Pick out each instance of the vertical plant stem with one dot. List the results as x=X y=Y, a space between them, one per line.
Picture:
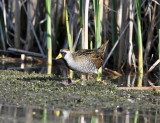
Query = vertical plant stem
x=120 y=17
x=136 y=116
x=140 y=80
x=140 y=55
x=93 y=119
x=34 y=33
x=64 y=13
x=44 y=116
x=85 y=7
x=130 y=32
x=159 y=47
x=150 y=34
x=130 y=52
x=49 y=43
x=81 y=20
x=114 y=34
x=2 y=38
x=31 y=5
x=55 y=28
x=114 y=22
x=68 y=30
x=80 y=13
x=17 y=24
x=5 y=22
x=70 y=43
x=98 y=12
x=105 y=61
x=159 y=35
x=76 y=40
x=97 y=21
x=159 y=44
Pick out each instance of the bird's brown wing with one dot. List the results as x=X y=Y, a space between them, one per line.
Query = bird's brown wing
x=92 y=55
x=85 y=52
x=97 y=58
x=81 y=55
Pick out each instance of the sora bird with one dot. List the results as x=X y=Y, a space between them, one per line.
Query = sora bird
x=85 y=60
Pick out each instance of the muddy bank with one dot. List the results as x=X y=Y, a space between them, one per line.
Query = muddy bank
x=23 y=89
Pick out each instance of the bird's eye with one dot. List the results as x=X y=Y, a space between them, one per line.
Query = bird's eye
x=63 y=54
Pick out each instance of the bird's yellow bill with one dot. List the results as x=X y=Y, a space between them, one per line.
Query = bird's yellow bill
x=59 y=56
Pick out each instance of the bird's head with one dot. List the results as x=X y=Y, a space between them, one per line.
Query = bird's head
x=64 y=53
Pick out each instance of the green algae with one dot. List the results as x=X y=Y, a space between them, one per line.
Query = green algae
x=24 y=89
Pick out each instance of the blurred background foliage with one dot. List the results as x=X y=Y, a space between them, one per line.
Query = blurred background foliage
x=23 y=25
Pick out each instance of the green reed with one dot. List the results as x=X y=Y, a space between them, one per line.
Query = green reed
x=136 y=116
x=49 y=43
x=68 y=35
x=68 y=29
x=140 y=55
x=97 y=22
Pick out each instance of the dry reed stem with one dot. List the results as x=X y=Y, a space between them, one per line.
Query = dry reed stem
x=140 y=88
x=115 y=45
x=150 y=34
x=153 y=66
x=35 y=35
x=113 y=72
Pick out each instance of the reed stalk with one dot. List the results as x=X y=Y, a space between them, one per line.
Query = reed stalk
x=44 y=118
x=136 y=116
x=114 y=33
x=130 y=52
x=70 y=43
x=17 y=24
x=116 y=43
x=80 y=13
x=49 y=43
x=3 y=25
x=29 y=39
x=68 y=29
x=150 y=34
x=120 y=17
x=159 y=44
x=2 y=37
x=85 y=7
x=94 y=119
x=34 y=33
x=57 y=16
x=159 y=36
x=81 y=20
x=98 y=12
x=140 y=80
x=140 y=55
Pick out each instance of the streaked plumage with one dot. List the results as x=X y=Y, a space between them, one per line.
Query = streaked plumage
x=85 y=61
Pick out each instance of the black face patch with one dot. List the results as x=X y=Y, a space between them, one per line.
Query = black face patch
x=63 y=54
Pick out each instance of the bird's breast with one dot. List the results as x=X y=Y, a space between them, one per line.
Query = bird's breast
x=85 y=66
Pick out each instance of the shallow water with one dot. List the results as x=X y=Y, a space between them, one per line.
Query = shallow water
x=11 y=114
x=111 y=113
